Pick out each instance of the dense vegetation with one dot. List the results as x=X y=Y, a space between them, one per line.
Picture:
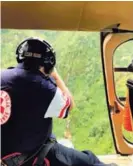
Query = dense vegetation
x=79 y=63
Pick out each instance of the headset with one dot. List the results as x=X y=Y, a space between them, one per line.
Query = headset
x=37 y=50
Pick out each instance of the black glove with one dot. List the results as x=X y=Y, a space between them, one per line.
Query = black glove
x=130 y=67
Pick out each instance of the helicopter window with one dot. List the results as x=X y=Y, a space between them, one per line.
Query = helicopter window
x=123 y=57
x=122 y=61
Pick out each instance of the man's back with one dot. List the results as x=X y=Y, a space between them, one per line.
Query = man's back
x=31 y=93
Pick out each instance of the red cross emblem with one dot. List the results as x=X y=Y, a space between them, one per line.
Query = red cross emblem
x=5 y=107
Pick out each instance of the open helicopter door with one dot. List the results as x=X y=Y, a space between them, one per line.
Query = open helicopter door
x=110 y=41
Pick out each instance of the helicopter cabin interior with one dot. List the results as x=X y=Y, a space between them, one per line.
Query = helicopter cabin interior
x=114 y=21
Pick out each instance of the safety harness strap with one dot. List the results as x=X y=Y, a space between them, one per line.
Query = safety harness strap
x=43 y=153
x=20 y=159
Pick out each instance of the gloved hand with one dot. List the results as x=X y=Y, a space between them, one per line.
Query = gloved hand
x=130 y=67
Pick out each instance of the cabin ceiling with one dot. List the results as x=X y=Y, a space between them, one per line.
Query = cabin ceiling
x=66 y=15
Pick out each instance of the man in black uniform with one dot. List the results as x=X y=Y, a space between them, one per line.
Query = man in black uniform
x=31 y=95
x=130 y=87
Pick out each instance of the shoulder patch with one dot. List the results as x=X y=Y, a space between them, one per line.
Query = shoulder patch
x=58 y=106
x=5 y=107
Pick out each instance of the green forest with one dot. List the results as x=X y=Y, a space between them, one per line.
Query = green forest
x=79 y=64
